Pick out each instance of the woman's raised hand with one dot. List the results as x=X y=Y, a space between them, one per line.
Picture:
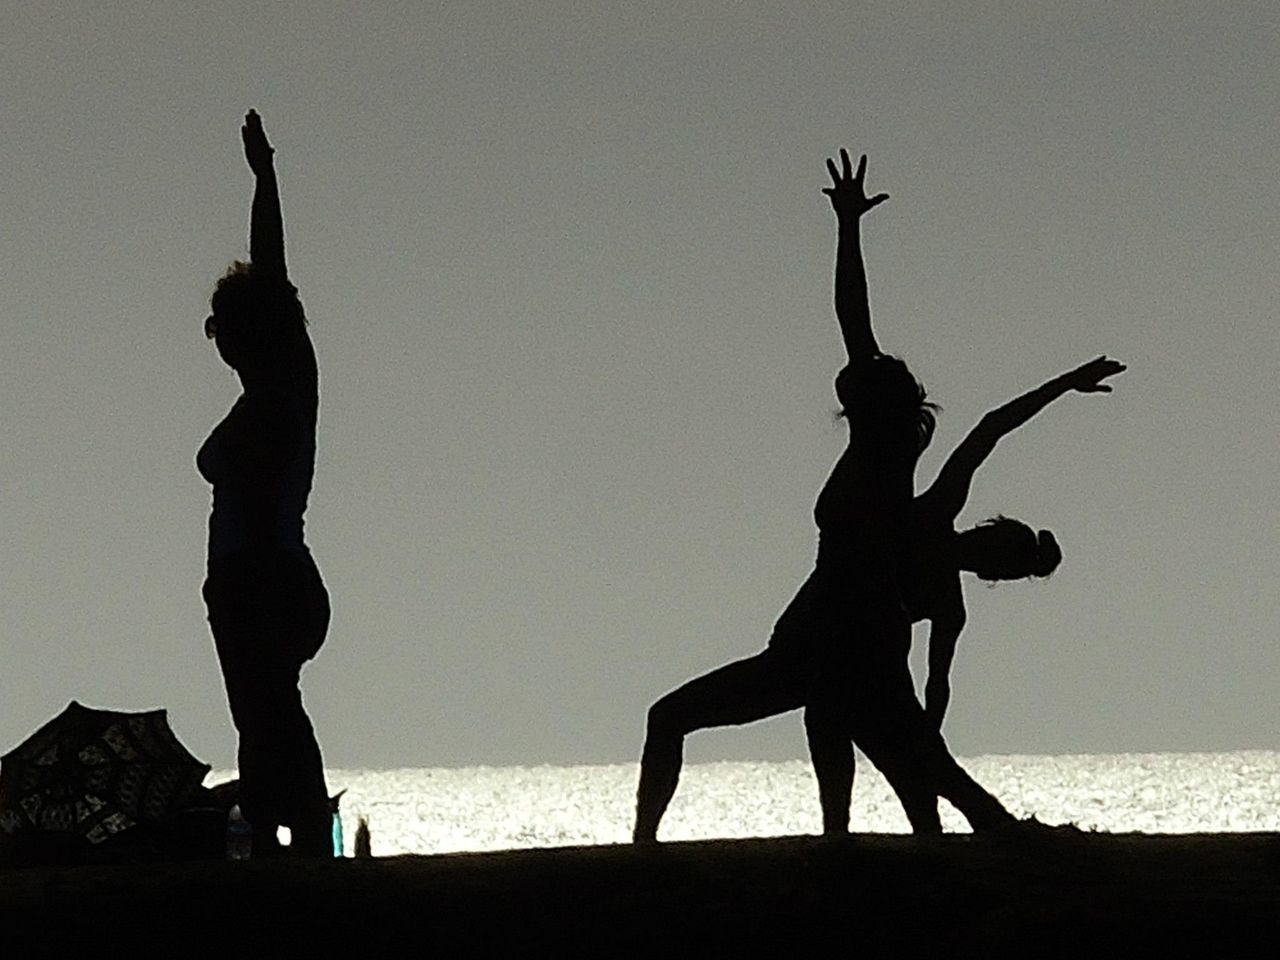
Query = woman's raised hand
x=1088 y=377
x=256 y=148
x=847 y=193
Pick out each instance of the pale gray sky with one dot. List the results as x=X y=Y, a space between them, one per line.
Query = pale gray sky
x=569 y=275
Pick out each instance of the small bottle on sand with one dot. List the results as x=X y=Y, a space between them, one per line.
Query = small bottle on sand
x=363 y=844
x=239 y=835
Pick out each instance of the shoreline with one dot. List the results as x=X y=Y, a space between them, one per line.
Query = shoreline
x=1059 y=893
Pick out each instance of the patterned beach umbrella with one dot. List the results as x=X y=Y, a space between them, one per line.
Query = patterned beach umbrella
x=94 y=773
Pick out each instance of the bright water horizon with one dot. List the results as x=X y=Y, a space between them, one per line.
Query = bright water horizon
x=444 y=810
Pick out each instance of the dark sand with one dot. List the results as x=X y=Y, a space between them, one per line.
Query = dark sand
x=1080 y=895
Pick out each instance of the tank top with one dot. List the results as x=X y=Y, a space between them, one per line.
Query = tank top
x=260 y=461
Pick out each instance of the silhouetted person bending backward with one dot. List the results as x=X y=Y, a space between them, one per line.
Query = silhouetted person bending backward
x=850 y=600
x=268 y=607
x=930 y=587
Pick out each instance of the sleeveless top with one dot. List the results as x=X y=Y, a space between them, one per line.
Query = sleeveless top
x=260 y=461
x=862 y=514
x=925 y=586
x=862 y=510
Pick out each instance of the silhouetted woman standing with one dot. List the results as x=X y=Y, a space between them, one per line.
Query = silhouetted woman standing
x=268 y=607
x=848 y=620
x=929 y=586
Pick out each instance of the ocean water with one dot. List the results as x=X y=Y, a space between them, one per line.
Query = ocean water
x=426 y=810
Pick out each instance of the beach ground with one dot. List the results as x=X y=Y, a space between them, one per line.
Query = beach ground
x=1053 y=894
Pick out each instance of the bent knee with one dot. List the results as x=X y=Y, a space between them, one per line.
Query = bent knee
x=667 y=718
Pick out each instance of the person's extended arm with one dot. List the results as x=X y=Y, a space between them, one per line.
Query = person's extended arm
x=850 y=202
x=266 y=223
x=950 y=491
x=943 y=634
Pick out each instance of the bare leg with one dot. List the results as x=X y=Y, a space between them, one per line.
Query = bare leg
x=741 y=692
x=980 y=808
x=890 y=727
x=886 y=720
x=914 y=789
x=831 y=753
x=832 y=757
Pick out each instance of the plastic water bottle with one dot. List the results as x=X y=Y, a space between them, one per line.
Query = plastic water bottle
x=337 y=833
x=239 y=835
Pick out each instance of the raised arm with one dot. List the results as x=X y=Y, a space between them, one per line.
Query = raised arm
x=950 y=490
x=266 y=223
x=850 y=202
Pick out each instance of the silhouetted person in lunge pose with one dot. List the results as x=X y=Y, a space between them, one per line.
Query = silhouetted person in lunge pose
x=268 y=607
x=850 y=604
x=929 y=584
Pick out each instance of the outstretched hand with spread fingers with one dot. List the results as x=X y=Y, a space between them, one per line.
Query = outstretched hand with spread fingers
x=1088 y=377
x=847 y=193
x=257 y=150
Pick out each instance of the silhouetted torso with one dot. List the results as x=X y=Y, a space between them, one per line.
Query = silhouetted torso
x=863 y=502
x=860 y=514
x=929 y=585
x=260 y=461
